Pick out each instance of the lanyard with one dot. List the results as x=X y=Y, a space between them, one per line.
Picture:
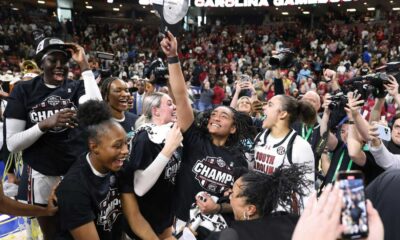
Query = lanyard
x=303 y=133
x=339 y=164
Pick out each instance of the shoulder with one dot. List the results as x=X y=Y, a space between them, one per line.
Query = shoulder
x=131 y=116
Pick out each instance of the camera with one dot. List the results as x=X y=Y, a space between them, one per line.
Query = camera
x=283 y=59
x=374 y=83
x=339 y=101
x=159 y=70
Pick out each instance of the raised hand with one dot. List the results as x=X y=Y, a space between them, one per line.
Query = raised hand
x=169 y=45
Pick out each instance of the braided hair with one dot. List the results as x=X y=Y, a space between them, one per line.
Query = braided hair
x=266 y=192
x=105 y=87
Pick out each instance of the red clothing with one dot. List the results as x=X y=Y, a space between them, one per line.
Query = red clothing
x=219 y=95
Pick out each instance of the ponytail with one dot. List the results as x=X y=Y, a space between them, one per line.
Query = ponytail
x=298 y=110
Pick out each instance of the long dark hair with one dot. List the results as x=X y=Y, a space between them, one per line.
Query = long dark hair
x=298 y=110
x=266 y=192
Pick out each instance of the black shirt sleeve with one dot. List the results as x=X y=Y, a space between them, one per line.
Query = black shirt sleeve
x=15 y=105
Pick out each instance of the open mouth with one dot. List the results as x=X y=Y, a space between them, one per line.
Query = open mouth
x=215 y=125
x=58 y=74
x=119 y=162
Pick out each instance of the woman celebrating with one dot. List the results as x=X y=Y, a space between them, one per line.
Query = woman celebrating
x=254 y=197
x=154 y=163
x=40 y=122
x=279 y=144
x=210 y=153
x=116 y=93
x=88 y=197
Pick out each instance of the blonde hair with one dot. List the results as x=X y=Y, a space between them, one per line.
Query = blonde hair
x=150 y=101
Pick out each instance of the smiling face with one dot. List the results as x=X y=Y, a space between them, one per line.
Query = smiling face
x=118 y=96
x=54 y=68
x=166 y=112
x=244 y=105
x=111 y=149
x=221 y=122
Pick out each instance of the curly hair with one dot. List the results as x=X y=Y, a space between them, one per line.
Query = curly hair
x=266 y=192
x=94 y=116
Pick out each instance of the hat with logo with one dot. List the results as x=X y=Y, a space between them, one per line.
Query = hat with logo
x=50 y=45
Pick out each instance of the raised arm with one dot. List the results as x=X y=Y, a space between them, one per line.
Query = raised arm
x=145 y=179
x=332 y=139
x=177 y=82
x=383 y=157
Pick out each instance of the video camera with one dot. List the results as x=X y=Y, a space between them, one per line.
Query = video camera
x=339 y=101
x=374 y=83
x=283 y=59
x=159 y=70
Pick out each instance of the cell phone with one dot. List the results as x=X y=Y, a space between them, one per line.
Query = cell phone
x=354 y=210
x=384 y=132
x=245 y=78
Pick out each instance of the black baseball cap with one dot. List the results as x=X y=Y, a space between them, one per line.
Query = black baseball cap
x=49 y=45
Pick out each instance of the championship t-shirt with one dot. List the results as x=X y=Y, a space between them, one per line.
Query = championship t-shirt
x=205 y=167
x=156 y=205
x=84 y=197
x=32 y=101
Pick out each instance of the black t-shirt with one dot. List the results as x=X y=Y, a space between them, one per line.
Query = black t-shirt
x=371 y=170
x=392 y=147
x=271 y=227
x=84 y=197
x=129 y=122
x=32 y=101
x=156 y=205
x=311 y=135
x=385 y=196
x=204 y=167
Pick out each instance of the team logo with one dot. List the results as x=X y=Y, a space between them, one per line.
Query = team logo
x=281 y=150
x=110 y=209
x=48 y=107
x=172 y=168
x=213 y=174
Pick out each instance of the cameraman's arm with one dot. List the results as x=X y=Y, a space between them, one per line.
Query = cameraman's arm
x=393 y=89
x=278 y=83
x=375 y=114
x=236 y=95
x=332 y=140
x=383 y=157
x=354 y=146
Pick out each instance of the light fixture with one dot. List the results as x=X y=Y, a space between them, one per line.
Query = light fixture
x=396 y=9
x=86 y=3
x=391 y=1
x=115 y=9
x=276 y=8
x=14 y=9
x=153 y=11
x=338 y=5
x=41 y=2
x=144 y=6
x=351 y=10
x=285 y=13
x=110 y=1
x=120 y=5
x=365 y=3
x=89 y=7
x=371 y=9
x=298 y=7
x=306 y=12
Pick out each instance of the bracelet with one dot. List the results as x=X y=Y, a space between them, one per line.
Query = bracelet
x=172 y=60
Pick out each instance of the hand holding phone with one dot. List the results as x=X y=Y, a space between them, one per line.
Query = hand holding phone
x=354 y=211
x=384 y=132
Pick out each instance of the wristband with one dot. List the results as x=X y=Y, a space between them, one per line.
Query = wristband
x=350 y=122
x=172 y=60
